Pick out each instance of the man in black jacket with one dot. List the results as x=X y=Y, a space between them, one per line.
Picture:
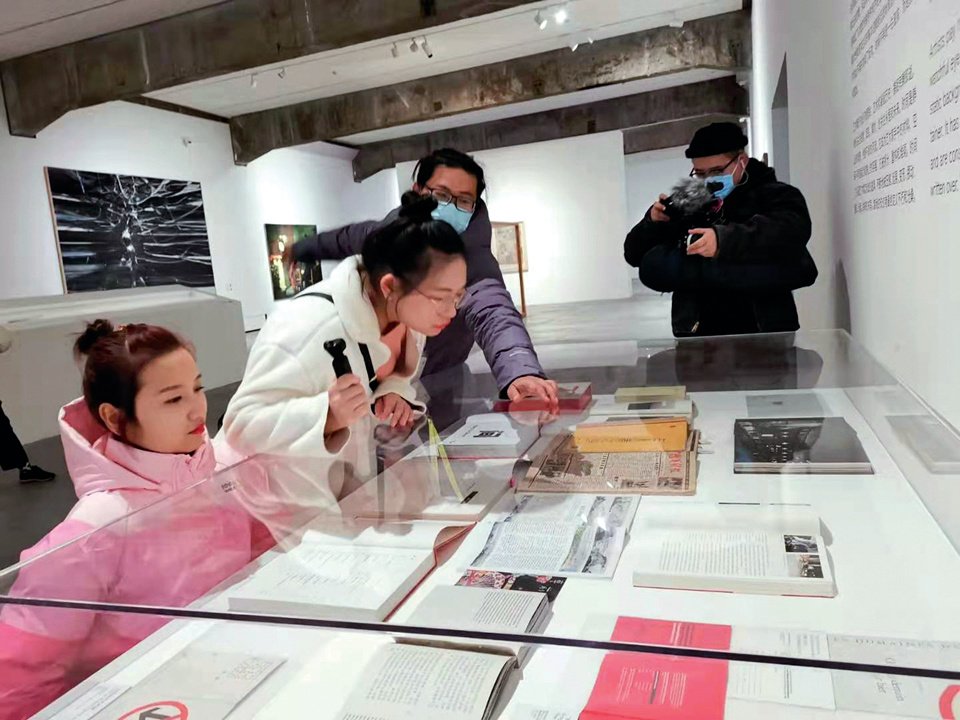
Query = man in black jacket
x=737 y=275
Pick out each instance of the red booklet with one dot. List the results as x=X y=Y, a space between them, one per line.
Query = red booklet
x=572 y=397
x=642 y=686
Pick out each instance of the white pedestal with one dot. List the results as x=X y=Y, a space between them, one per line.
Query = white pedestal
x=38 y=374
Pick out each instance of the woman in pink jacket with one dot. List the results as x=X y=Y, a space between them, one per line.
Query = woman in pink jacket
x=135 y=437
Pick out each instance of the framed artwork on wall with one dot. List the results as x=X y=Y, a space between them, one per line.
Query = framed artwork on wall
x=509 y=247
x=124 y=231
x=289 y=278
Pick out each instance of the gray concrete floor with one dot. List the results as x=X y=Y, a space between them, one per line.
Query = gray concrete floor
x=28 y=512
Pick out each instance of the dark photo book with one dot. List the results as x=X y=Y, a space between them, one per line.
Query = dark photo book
x=818 y=445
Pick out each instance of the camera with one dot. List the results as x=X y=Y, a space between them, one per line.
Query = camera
x=691 y=204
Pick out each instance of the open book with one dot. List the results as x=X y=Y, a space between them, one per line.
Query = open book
x=559 y=466
x=764 y=549
x=349 y=572
x=406 y=681
x=483 y=609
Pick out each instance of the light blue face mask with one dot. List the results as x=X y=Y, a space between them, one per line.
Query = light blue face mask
x=458 y=219
x=721 y=185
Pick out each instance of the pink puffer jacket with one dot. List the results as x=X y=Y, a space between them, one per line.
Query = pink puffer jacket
x=168 y=555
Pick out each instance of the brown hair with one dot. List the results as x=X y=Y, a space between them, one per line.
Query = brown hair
x=115 y=356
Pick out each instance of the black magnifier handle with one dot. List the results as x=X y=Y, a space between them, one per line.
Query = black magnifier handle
x=337 y=348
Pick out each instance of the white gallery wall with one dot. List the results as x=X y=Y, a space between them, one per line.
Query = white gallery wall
x=287 y=186
x=874 y=106
x=647 y=175
x=570 y=195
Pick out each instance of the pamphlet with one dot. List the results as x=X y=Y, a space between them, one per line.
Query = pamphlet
x=546 y=584
x=579 y=535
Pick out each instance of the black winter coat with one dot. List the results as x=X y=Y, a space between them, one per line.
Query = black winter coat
x=762 y=232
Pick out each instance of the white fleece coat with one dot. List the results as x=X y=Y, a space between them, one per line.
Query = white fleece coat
x=281 y=405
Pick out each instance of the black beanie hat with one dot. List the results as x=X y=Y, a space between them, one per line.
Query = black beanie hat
x=716 y=139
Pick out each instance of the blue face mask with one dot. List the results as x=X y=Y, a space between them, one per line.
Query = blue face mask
x=452 y=215
x=721 y=185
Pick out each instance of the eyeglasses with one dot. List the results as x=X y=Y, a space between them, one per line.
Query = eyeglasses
x=712 y=172
x=445 y=197
x=454 y=302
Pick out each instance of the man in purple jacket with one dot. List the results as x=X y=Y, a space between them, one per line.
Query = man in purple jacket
x=487 y=314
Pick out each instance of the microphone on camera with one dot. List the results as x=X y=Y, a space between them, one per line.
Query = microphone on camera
x=692 y=203
x=690 y=197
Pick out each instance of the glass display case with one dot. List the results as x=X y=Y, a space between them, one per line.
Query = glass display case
x=795 y=557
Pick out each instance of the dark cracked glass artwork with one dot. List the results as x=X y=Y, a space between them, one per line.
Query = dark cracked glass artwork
x=120 y=231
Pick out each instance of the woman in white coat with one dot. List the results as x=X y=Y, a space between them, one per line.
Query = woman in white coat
x=376 y=308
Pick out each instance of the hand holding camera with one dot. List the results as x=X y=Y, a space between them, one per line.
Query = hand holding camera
x=694 y=208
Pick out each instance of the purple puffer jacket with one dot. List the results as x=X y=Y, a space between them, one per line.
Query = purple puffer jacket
x=487 y=315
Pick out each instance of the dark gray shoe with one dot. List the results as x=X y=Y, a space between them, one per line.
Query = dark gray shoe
x=34 y=473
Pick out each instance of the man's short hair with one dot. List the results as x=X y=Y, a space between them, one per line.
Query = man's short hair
x=717 y=139
x=448 y=157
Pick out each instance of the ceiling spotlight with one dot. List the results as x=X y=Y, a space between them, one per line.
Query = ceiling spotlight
x=540 y=20
x=676 y=23
x=413 y=45
x=561 y=16
x=395 y=51
x=282 y=74
x=574 y=45
x=425 y=46
x=253 y=80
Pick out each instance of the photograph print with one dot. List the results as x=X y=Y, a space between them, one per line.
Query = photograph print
x=804 y=565
x=800 y=543
x=123 y=231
